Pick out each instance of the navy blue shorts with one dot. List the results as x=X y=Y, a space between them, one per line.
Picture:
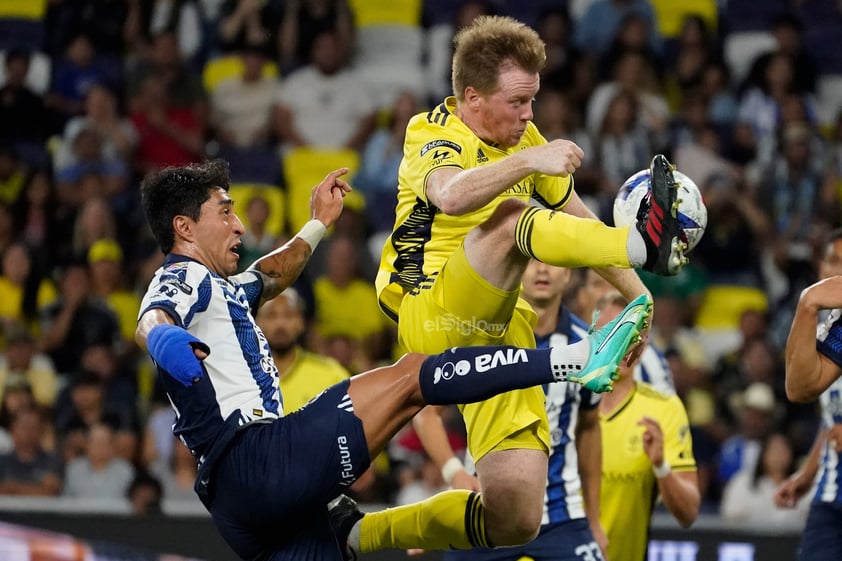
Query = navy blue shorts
x=822 y=540
x=563 y=541
x=269 y=491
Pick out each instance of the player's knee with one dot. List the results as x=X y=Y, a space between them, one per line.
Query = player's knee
x=517 y=529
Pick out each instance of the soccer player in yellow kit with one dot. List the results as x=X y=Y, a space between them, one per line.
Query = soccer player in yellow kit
x=464 y=233
x=647 y=451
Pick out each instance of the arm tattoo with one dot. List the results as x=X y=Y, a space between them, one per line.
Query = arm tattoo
x=281 y=267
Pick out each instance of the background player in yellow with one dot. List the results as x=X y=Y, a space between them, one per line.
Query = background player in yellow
x=302 y=375
x=464 y=233
x=646 y=451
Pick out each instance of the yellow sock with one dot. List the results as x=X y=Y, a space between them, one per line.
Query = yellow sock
x=449 y=520
x=564 y=240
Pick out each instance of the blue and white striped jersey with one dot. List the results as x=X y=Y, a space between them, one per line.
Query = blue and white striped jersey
x=563 y=496
x=653 y=369
x=829 y=343
x=240 y=385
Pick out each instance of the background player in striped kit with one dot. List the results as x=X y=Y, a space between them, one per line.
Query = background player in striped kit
x=822 y=540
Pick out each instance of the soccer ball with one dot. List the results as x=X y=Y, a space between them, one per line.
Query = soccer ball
x=692 y=214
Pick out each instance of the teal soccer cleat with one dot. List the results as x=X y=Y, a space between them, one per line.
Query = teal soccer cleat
x=610 y=344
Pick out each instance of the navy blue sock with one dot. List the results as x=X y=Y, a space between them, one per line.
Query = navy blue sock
x=471 y=374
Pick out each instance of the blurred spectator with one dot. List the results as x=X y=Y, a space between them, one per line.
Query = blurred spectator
x=302 y=375
x=12 y=174
x=761 y=104
x=721 y=101
x=377 y=178
x=257 y=240
x=325 y=104
x=757 y=408
x=76 y=320
x=634 y=73
x=119 y=382
x=167 y=135
x=99 y=474
x=178 y=475
x=101 y=113
x=23 y=289
x=74 y=75
x=87 y=171
x=21 y=363
x=241 y=107
x=22 y=115
x=623 y=145
x=182 y=18
x=105 y=259
x=37 y=220
x=788 y=32
x=632 y=36
x=598 y=26
x=304 y=20
x=29 y=469
x=555 y=28
x=421 y=480
x=749 y=497
x=83 y=404
x=686 y=64
x=250 y=21
x=343 y=283
x=94 y=221
x=16 y=397
x=111 y=26
x=182 y=84
x=145 y=493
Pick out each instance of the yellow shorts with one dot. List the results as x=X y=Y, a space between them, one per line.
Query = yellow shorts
x=461 y=309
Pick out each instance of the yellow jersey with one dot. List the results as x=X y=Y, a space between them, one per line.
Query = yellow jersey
x=351 y=310
x=307 y=377
x=629 y=487
x=424 y=237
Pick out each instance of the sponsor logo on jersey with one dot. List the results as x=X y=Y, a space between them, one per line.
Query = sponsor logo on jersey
x=481 y=157
x=432 y=145
x=346 y=473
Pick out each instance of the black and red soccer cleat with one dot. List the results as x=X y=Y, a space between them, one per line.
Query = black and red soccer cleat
x=657 y=221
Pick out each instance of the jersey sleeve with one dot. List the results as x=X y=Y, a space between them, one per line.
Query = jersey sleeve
x=829 y=337
x=181 y=290
x=550 y=191
x=678 y=444
x=430 y=146
x=251 y=282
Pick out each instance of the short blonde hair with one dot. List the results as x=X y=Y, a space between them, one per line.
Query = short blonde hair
x=485 y=46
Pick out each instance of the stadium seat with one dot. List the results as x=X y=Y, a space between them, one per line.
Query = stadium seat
x=223 y=68
x=242 y=193
x=23 y=9
x=741 y=48
x=306 y=167
x=829 y=97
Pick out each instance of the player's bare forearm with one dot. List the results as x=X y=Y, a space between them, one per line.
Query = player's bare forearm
x=589 y=453
x=808 y=372
x=680 y=493
x=146 y=322
x=455 y=191
x=281 y=267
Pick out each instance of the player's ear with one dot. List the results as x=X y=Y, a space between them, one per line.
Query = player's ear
x=182 y=227
x=472 y=97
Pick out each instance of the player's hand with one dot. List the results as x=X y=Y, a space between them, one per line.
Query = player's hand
x=326 y=198
x=464 y=480
x=559 y=157
x=178 y=352
x=790 y=492
x=653 y=440
x=600 y=537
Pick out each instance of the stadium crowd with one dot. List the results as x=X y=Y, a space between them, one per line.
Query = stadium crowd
x=742 y=96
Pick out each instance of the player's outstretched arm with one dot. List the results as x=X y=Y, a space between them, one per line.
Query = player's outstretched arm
x=282 y=266
x=809 y=372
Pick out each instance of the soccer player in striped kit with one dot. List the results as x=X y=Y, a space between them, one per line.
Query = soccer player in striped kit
x=813 y=370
